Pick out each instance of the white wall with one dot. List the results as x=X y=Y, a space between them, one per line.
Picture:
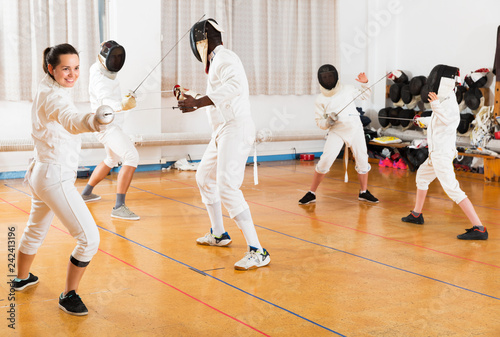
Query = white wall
x=375 y=36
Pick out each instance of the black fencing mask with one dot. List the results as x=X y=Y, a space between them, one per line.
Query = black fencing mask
x=328 y=76
x=442 y=80
x=112 y=56
x=200 y=33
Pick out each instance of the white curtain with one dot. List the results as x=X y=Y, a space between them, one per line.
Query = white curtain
x=30 y=26
x=281 y=43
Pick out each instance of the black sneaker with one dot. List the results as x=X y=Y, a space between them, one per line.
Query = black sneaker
x=474 y=233
x=367 y=196
x=72 y=304
x=20 y=285
x=419 y=220
x=310 y=197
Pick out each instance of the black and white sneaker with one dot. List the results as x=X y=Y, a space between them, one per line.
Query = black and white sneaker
x=72 y=304
x=419 y=220
x=474 y=233
x=309 y=198
x=367 y=196
x=19 y=285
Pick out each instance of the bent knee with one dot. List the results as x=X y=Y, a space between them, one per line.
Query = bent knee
x=131 y=158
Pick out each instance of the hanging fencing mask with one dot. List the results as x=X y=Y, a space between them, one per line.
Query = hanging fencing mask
x=328 y=78
x=112 y=56
x=416 y=85
x=442 y=80
x=201 y=32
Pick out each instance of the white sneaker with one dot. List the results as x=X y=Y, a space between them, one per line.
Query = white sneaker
x=211 y=240
x=90 y=197
x=253 y=259
x=123 y=212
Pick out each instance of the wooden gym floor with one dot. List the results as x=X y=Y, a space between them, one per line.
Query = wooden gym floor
x=339 y=267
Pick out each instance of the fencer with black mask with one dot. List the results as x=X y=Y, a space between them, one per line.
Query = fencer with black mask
x=222 y=167
x=441 y=138
x=335 y=112
x=104 y=88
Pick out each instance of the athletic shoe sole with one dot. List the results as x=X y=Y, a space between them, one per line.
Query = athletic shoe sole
x=217 y=245
x=253 y=267
x=93 y=199
x=307 y=203
x=363 y=199
x=125 y=218
x=26 y=286
x=73 y=313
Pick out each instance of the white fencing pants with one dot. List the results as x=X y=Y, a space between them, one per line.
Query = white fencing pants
x=441 y=167
x=334 y=142
x=54 y=193
x=118 y=147
x=222 y=168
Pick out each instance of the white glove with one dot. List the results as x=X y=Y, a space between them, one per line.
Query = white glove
x=128 y=102
x=331 y=120
x=103 y=116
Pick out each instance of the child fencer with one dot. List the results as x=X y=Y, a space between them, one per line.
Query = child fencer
x=441 y=138
x=222 y=168
x=51 y=176
x=104 y=88
x=344 y=126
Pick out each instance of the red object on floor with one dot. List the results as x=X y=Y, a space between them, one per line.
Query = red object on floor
x=497 y=135
x=385 y=163
x=400 y=164
x=307 y=157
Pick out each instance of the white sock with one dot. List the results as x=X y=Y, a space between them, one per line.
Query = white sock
x=215 y=214
x=245 y=223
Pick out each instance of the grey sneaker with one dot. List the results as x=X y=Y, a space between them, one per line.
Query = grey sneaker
x=90 y=197
x=123 y=212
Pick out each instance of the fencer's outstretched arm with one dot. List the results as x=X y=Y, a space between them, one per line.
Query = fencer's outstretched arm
x=65 y=113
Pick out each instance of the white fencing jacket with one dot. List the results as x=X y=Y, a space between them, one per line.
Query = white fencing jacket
x=227 y=87
x=55 y=122
x=347 y=119
x=104 y=89
x=442 y=125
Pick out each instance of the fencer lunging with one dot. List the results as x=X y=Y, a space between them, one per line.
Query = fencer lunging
x=222 y=168
x=104 y=88
x=441 y=138
x=344 y=126
x=51 y=176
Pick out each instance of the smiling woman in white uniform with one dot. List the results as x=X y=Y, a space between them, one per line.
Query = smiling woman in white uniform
x=51 y=177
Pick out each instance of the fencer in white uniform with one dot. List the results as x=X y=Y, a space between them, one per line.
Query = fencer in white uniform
x=441 y=138
x=335 y=112
x=222 y=168
x=51 y=176
x=104 y=88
